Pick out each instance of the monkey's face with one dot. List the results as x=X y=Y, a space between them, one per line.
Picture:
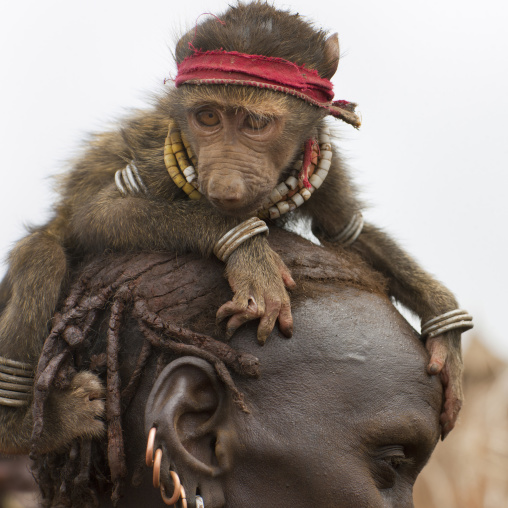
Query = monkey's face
x=241 y=155
x=245 y=140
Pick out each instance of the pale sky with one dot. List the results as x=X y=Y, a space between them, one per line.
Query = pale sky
x=430 y=78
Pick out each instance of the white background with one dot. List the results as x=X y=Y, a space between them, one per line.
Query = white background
x=430 y=78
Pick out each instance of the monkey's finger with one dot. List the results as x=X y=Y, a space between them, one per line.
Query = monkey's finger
x=284 y=273
x=288 y=280
x=451 y=379
x=230 y=308
x=438 y=349
x=238 y=320
x=286 y=320
x=267 y=322
x=451 y=409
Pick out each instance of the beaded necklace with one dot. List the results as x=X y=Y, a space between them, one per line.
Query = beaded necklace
x=307 y=174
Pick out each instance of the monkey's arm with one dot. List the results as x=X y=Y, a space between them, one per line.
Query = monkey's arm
x=428 y=298
x=408 y=283
x=256 y=274
x=30 y=291
x=29 y=295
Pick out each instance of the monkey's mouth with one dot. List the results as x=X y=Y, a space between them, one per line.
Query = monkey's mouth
x=234 y=207
x=231 y=195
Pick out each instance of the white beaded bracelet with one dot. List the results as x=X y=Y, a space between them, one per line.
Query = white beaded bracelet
x=453 y=320
x=351 y=232
x=16 y=381
x=129 y=181
x=236 y=236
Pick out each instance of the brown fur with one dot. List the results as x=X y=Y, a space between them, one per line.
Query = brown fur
x=92 y=216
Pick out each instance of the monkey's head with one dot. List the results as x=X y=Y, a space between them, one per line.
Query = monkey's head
x=236 y=103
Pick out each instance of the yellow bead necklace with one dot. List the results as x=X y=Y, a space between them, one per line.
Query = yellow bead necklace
x=285 y=197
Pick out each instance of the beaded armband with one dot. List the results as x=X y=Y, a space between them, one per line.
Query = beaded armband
x=16 y=381
x=453 y=320
x=236 y=236
x=128 y=180
x=351 y=232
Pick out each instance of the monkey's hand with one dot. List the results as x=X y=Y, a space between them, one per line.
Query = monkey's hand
x=446 y=361
x=75 y=412
x=259 y=278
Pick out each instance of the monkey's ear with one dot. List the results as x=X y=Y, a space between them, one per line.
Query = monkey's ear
x=182 y=46
x=332 y=54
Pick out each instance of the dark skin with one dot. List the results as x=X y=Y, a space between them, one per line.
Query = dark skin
x=293 y=448
x=246 y=140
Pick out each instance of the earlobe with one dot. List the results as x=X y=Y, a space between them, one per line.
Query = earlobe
x=332 y=55
x=187 y=408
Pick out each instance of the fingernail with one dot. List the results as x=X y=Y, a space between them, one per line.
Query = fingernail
x=229 y=333
x=287 y=333
x=262 y=340
x=434 y=369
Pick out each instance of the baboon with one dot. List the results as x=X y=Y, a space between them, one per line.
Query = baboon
x=240 y=136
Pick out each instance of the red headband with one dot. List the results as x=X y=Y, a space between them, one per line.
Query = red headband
x=231 y=67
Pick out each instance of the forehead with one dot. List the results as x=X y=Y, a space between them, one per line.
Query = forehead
x=255 y=100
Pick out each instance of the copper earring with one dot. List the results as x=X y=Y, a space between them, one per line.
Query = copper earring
x=179 y=491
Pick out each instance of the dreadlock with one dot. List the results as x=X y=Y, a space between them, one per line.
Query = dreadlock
x=79 y=473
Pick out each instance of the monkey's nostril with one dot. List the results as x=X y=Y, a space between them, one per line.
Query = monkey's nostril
x=222 y=191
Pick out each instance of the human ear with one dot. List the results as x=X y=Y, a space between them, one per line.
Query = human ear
x=332 y=54
x=188 y=408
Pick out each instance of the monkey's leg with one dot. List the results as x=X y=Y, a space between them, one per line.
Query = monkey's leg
x=407 y=282
x=32 y=286
x=37 y=266
x=69 y=414
x=256 y=274
x=5 y=292
x=37 y=269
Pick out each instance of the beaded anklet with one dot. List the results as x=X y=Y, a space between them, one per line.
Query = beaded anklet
x=236 y=236
x=16 y=381
x=455 y=319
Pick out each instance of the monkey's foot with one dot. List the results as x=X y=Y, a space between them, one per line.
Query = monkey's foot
x=261 y=295
x=76 y=412
x=445 y=361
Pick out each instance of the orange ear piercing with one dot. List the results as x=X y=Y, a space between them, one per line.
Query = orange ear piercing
x=155 y=462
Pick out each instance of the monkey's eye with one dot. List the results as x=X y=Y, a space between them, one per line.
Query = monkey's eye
x=207 y=117
x=256 y=122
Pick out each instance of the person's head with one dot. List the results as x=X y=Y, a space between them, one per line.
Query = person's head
x=341 y=415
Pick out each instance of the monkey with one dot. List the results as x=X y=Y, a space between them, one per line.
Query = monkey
x=248 y=110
